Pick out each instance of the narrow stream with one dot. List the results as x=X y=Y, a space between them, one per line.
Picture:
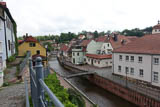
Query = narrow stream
x=95 y=93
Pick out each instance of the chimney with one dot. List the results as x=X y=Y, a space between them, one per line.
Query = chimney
x=3 y=3
x=26 y=34
x=115 y=37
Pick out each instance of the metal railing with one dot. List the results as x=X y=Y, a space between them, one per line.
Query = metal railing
x=38 y=87
x=24 y=62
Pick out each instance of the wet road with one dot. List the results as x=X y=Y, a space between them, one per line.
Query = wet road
x=96 y=94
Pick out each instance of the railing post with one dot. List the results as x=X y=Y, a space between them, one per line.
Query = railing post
x=39 y=75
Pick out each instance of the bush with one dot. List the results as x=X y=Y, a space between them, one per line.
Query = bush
x=76 y=98
x=11 y=58
x=61 y=93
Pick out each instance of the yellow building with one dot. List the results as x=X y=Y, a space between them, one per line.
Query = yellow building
x=31 y=44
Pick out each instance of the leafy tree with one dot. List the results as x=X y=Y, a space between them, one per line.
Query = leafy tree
x=95 y=34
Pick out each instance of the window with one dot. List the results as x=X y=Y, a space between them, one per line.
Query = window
x=156 y=61
x=107 y=63
x=120 y=57
x=104 y=47
x=38 y=52
x=119 y=68
x=140 y=59
x=110 y=62
x=127 y=58
x=98 y=62
x=155 y=76
x=127 y=70
x=94 y=61
x=88 y=59
x=32 y=44
x=9 y=44
x=78 y=54
x=141 y=73
x=132 y=71
x=132 y=58
x=1 y=47
x=73 y=53
x=85 y=59
x=108 y=45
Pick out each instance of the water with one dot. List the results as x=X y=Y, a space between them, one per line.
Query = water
x=96 y=94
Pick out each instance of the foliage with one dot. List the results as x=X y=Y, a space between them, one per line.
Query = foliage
x=11 y=58
x=54 y=84
x=49 y=48
x=76 y=98
x=30 y=101
x=137 y=32
x=96 y=34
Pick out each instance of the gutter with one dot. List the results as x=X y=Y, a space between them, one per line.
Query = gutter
x=5 y=39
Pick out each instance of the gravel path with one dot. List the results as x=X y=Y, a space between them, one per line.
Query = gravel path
x=13 y=96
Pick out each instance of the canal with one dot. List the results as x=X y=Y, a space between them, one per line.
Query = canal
x=96 y=94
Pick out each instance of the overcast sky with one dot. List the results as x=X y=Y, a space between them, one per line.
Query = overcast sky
x=39 y=17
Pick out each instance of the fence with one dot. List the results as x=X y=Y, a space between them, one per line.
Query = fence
x=24 y=62
x=38 y=87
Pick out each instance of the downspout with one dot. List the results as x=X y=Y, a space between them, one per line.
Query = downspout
x=5 y=39
x=151 y=67
x=113 y=63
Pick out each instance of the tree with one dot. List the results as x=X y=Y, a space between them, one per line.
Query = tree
x=95 y=34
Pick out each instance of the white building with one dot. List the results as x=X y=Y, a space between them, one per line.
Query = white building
x=78 y=55
x=156 y=28
x=139 y=60
x=7 y=37
x=99 y=51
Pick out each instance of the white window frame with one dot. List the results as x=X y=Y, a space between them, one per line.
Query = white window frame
x=155 y=77
x=132 y=71
x=132 y=59
x=119 y=68
x=140 y=61
x=141 y=71
x=120 y=57
x=126 y=58
x=156 y=61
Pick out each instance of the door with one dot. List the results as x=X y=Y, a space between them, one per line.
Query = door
x=74 y=60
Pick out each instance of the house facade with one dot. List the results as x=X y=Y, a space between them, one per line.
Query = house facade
x=31 y=44
x=7 y=39
x=156 y=28
x=139 y=60
x=78 y=55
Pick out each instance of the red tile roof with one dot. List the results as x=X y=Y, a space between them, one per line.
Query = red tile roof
x=132 y=38
x=148 y=44
x=30 y=39
x=64 y=48
x=156 y=26
x=85 y=42
x=118 y=43
x=20 y=41
x=101 y=39
x=99 y=56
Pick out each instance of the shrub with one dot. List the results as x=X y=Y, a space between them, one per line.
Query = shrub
x=11 y=58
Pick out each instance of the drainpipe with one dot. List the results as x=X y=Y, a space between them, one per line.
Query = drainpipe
x=5 y=39
x=112 y=63
x=151 y=67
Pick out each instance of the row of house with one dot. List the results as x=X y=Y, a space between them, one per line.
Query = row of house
x=135 y=58
x=7 y=37
x=140 y=59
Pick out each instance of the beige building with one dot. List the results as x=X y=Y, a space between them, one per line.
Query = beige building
x=156 y=28
x=139 y=60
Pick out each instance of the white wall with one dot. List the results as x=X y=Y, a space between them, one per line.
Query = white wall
x=100 y=62
x=106 y=47
x=79 y=59
x=156 y=68
x=93 y=46
x=10 y=36
x=154 y=31
x=145 y=65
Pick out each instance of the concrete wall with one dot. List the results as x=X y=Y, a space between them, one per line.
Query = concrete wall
x=145 y=65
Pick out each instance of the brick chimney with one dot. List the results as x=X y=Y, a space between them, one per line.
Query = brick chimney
x=3 y=3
